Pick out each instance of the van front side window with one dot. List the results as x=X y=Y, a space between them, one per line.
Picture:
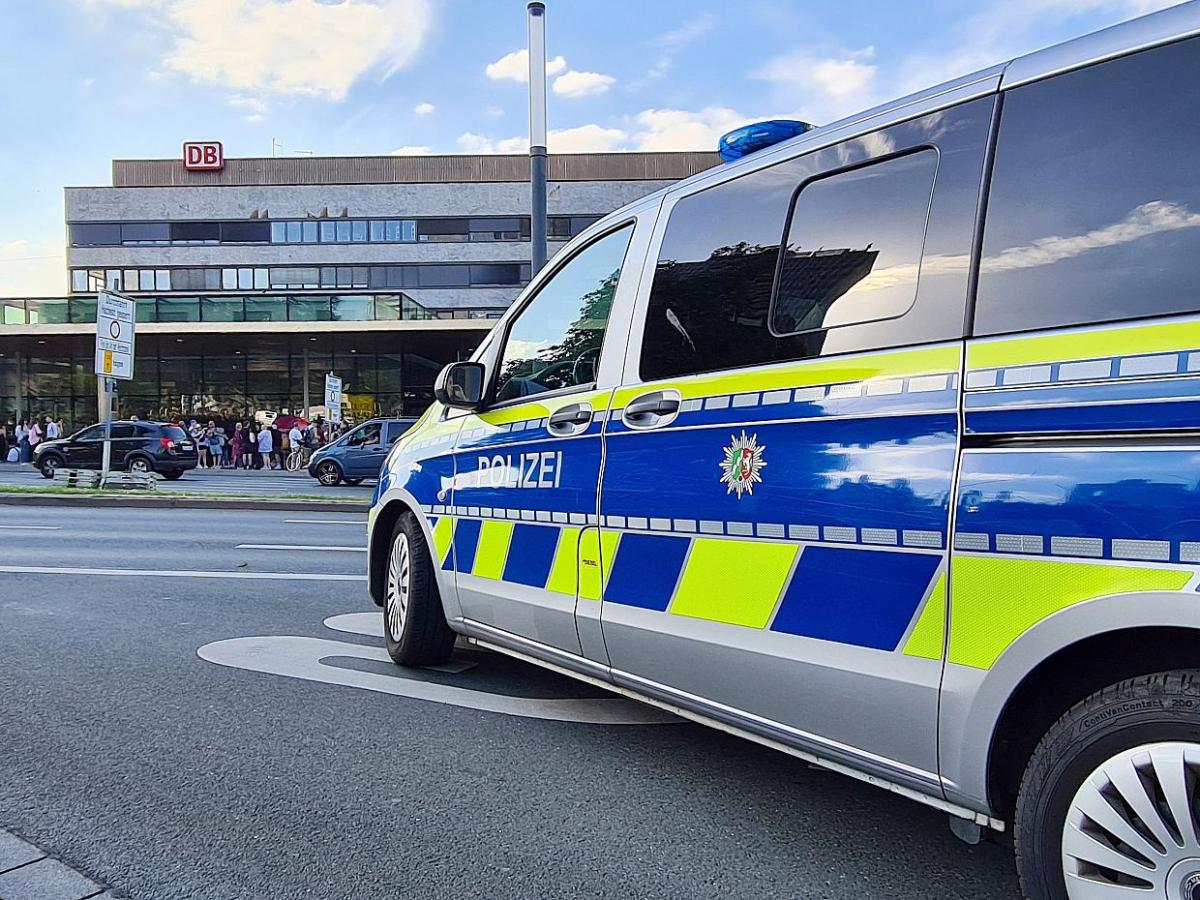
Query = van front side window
x=554 y=342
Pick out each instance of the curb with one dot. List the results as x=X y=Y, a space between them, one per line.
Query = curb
x=165 y=501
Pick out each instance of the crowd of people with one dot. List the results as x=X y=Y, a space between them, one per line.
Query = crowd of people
x=250 y=445
x=245 y=444
x=18 y=439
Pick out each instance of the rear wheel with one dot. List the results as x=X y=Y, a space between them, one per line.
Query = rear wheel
x=139 y=465
x=353 y=482
x=329 y=474
x=173 y=474
x=414 y=624
x=49 y=464
x=1108 y=808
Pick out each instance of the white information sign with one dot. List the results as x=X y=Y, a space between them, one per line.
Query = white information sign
x=114 y=335
x=333 y=398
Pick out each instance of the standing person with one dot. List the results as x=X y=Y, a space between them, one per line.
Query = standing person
x=237 y=445
x=295 y=435
x=214 y=444
x=22 y=435
x=53 y=430
x=249 y=445
x=3 y=442
x=201 y=447
x=276 y=447
x=226 y=448
x=263 y=460
x=33 y=436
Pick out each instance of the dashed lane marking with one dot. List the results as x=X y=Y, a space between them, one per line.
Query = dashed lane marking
x=357 y=523
x=178 y=573
x=31 y=527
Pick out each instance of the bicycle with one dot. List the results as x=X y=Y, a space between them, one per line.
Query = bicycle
x=298 y=459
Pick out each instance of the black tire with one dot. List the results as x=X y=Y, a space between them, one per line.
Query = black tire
x=1143 y=710
x=353 y=482
x=48 y=463
x=328 y=473
x=173 y=475
x=424 y=638
x=139 y=464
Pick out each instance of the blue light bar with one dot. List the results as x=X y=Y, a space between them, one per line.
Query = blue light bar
x=748 y=138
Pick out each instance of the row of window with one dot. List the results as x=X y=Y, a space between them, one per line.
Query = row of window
x=319 y=231
x=854 y=248
x=254 y=308
x=261 y=278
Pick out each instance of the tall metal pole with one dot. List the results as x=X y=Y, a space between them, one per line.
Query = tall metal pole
x=306 y=403
x=537 y=134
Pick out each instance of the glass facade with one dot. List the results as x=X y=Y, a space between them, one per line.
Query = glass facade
x=368 y=307
x=319 y=231
x=263 y=278
x=227 y=377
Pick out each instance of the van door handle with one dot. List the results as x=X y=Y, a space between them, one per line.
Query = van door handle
x=651 y=409
x=570 y=419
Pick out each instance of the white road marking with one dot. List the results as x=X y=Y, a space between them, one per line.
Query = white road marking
x=300 y=547
x=178 y=573
x=371 y=625
x=361 y=523
x=303 y=657
x=32 y=527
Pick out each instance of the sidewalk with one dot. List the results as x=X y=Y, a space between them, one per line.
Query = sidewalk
x=28 y=873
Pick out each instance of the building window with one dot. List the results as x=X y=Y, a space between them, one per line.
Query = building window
x=343 y=231
x=279 y=232
x=293 y=232
x=162 y=280
x=308 y=232
x=328 y=232
x=79 y=279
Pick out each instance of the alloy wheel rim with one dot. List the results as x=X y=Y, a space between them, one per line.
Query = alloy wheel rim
x=399 y=586
x=1132 y=830
x=328 y=474
x=139 y=465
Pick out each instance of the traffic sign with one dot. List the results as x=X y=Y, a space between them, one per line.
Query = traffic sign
x=333 y=398
x=114 y=335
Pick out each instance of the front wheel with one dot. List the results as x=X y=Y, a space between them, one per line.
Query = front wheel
x=414 y=624
x=1109 y=806
x=329 y=474
x=48 y=465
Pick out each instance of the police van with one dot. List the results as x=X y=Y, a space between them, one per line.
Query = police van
x=879 y=446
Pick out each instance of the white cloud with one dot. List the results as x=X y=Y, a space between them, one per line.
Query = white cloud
x=469 y=142
x=424 y=109
x=823 y=89
x=581 y=84
x=301 y=48
x=585 y=139
x=32 y=268
x=255 y=109
x=493 y=112
x=515 y=67
x=676 y=40
x=589 y=138
x=411 y=150
x=680 y=129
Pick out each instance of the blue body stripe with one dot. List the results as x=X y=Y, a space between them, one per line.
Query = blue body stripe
x=530 y=554
x=1122 y=417
x=645 y=570
x=861 y=597
x=466 y=540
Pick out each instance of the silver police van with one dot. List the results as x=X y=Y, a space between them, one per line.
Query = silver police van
x=879 y=446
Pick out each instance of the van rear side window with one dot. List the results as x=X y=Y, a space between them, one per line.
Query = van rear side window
x=853 y=248
x=1094 y=209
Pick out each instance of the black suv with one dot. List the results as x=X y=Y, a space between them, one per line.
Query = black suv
x=136 y=446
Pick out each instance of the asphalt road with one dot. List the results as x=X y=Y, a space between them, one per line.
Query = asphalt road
x=167 y=775
x=261 y=483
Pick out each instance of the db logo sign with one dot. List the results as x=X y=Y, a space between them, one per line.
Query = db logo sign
x=203 y=156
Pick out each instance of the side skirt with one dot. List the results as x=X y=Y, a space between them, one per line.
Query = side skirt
x=600 y=676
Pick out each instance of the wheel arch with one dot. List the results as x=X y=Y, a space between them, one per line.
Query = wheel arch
x=994 y=720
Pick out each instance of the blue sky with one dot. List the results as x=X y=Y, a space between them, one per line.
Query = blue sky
x=86 y=81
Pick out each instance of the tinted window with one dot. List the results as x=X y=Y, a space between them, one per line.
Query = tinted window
x=95 y=433
x=1094 y=212
x=246 y=232
x=555 y=341
x=139 y=232
x=175 y=433
x=97 y=235
x=195 y=231
x=853 y=248
x=120 y=432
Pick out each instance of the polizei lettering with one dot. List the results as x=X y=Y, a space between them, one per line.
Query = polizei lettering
x=525 y=470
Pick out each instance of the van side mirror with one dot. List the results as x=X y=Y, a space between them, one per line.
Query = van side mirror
x=460 y=385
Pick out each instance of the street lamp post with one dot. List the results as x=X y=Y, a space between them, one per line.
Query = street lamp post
x=537 y=134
